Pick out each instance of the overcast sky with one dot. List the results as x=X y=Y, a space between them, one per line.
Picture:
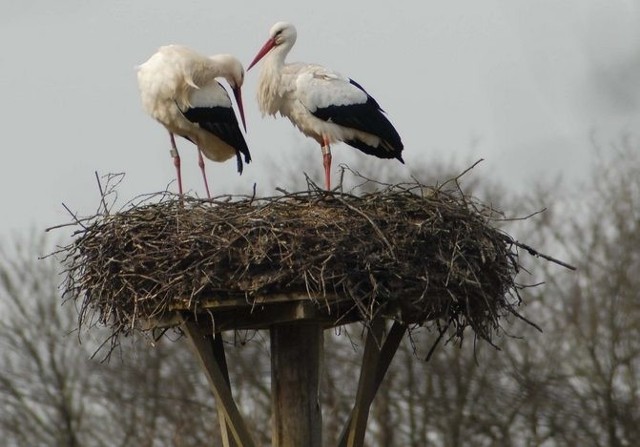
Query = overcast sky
x=523 y=84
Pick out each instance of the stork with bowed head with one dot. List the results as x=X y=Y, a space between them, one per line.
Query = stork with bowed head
x=179 y=89
x=322 y=103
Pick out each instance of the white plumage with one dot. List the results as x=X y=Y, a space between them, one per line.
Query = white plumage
x=178 y=87
x=320 y=102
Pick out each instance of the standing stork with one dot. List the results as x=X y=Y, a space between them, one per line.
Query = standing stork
x=322 y=103
x=178 y=88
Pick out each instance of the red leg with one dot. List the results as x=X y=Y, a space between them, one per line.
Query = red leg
x=204 y=175
x=326 y=161
x=176 y=160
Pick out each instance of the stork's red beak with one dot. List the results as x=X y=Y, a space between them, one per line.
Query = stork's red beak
x=238 y=94
x=264 y=50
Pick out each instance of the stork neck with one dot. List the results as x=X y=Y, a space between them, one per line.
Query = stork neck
x=278 y=55
x=215 y=62
x=269 y=84
x=204 y=70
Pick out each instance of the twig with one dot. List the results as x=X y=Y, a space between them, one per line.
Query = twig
x=373 y=224
x=459 y=176
x=70 y=224
x=536 y=253
x=102 y=194
x=75 y=218
x=512 y=219
x=437 y=342
x=253 y=194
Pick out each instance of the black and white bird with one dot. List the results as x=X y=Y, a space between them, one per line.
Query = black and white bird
x=178 y=88
x=322 y=103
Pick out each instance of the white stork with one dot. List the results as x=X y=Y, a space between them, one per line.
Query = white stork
x=322 y=103
x=179 y=89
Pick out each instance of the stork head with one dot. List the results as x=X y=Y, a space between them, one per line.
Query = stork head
x=231 y=69
x=282 y=34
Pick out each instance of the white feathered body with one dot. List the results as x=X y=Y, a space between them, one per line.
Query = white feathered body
x=176 y=79
x=297 y=90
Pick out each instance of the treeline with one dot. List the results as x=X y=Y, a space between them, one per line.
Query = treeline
x=577 y=383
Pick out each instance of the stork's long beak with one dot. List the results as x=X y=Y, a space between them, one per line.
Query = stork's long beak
x=264 y=50
x=238 y=94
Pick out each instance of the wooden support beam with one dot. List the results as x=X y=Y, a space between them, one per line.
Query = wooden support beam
x=217 y=343
x=366 y=383
x=296 y=351
x=353 y=433
x=204 y=352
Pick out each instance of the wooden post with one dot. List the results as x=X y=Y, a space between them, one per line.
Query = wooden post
x=296 y=351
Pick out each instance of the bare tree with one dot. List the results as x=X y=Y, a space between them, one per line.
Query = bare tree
x=52 y=392
x=600 y=318
x=40 y=394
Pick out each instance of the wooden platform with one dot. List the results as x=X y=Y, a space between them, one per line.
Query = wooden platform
x=263 y=312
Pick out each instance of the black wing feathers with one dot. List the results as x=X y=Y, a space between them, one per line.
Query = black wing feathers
x=222 y=122
x=367 y=117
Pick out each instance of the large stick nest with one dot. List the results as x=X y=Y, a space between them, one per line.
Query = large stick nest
x=416 y=253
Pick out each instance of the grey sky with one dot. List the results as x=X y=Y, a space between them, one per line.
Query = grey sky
x=522 y=84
